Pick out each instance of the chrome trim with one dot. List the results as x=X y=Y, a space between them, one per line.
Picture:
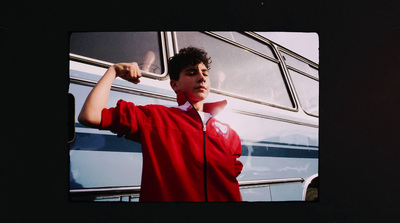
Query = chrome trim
x=123 y=89
x=169 y=43
x=273 y=118
x=299 y=57
x=90 y=61
x=296 y=56
x=310 y=114
x=287 y=80
x=175 y=42
x=302 y=73
x=98 y=193
x=134 y=191
x=233 y=95
x=263 y=183
x=305 y=186
x=164 y=75
x=260 y=38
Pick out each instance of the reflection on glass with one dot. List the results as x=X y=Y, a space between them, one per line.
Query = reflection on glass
x=307 y=90
x=238 y=71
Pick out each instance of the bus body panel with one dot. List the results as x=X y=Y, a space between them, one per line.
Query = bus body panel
x=276 y=143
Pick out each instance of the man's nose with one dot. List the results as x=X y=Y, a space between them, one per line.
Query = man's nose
x=201 y=77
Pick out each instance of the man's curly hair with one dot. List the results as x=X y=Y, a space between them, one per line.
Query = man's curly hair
x=185 y=57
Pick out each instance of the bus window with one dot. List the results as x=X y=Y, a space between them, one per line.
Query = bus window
x=298 y=64
x=247 y=41
x=237 y=71
x=115 y=47
x=308 y=91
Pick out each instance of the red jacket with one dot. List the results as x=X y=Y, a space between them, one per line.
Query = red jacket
x=182 y=160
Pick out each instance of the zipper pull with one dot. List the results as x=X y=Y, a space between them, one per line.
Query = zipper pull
x=204 y=128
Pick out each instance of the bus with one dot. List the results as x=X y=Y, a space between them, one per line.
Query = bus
x=273 y=101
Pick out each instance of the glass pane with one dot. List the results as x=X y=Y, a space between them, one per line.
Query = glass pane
x=238 y=71
x=249 y=42
x=298 y=64
x=115 y=47
x=308 y=91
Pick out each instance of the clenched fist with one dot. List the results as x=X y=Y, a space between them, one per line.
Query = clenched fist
x=128 y=71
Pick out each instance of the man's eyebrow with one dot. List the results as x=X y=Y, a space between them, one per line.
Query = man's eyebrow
x=191 y=69
x=194 y=69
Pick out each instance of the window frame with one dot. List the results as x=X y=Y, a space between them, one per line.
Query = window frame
x=288 y=68
x=253 y=37
x=310 y=63
x=105 y=64
x=277 y=61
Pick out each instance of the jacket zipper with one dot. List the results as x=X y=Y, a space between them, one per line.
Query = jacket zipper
x=205 y=156
x=205 y=160
x=204 y=148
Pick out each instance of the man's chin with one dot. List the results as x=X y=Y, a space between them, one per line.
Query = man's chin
x=198 y=97
x=202 y=96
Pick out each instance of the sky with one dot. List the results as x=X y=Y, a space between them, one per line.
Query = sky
x=305 y=44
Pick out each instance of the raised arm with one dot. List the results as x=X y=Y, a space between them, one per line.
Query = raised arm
x=97 y=99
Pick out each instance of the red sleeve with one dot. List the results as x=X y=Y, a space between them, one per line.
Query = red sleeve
x=124 y=119
x=237 y=152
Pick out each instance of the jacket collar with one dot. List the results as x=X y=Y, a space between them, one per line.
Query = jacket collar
x=213 y=107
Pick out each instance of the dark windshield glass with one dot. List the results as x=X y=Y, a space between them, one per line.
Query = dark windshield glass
x=114 y=47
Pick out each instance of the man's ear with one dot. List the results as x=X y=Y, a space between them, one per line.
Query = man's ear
x=174 y=85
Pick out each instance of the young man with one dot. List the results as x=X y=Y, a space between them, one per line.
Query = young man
x=187 y=154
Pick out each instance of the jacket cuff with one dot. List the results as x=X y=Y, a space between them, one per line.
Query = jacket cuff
x=106 y=118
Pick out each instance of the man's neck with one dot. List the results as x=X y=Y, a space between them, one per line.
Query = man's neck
x=198 y=105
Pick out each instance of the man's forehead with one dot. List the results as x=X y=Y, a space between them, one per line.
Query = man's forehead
x=197 y=66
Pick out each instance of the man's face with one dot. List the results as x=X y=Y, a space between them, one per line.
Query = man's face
x=194 y=81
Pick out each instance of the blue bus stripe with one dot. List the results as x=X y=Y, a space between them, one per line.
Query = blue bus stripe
x=105 y=143
x=279 y=152
x=111 y=143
